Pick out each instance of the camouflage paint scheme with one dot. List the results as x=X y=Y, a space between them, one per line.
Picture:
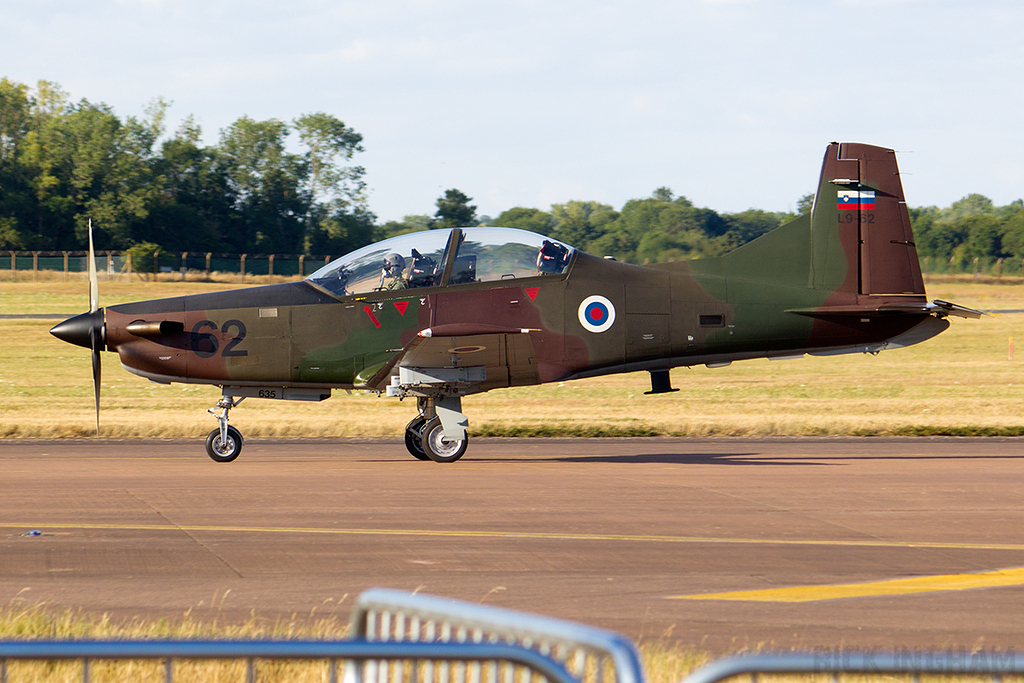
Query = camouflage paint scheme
x=844 y=279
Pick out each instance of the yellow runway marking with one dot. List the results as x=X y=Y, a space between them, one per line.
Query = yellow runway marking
x=526 y=535
x=919 y=584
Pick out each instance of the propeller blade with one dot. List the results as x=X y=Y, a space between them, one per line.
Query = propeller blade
x=94 y=335
x=94 y=286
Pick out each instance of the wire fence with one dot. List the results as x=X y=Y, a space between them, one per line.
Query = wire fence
x=110 y=265
x=978 y=267
x=70 y=265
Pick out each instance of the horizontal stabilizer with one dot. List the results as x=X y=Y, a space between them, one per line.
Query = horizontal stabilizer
x=937 y=308
x=943 y=308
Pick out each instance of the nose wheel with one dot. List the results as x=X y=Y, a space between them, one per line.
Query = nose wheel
x=224 y=448
x=224 y=443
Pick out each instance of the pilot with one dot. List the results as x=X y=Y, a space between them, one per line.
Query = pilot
x=391 y=277
x=553 y=258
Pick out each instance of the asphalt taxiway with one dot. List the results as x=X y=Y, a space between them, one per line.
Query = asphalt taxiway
x=716 y=543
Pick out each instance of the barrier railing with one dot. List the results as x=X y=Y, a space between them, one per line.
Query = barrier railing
x=590 y=654
x=501 y=662
x=914 y=663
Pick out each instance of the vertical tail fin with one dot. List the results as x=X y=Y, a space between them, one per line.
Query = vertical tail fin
x=861 y=239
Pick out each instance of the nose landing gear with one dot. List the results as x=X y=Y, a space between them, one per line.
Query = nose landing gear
x=224 y=444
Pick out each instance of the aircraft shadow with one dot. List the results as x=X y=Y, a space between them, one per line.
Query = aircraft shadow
x=683 y=459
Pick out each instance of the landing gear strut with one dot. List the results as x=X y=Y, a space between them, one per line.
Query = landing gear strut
x=224 y=443
x=425 y=434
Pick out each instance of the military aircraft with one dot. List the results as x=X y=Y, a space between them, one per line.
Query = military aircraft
x=439 y=314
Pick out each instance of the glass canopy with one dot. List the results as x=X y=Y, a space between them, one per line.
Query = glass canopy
x=422 y=259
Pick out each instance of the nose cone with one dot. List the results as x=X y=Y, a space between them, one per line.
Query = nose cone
x=80 y=329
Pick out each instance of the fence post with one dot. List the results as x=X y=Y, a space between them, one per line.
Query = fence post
x=65 y=265
x=302 y=269
x=241 y=269
x=209 y=255
x=110 y=265
x=14 y=267
x=999 y=267
x=270 y=266
x=156 y=264
x=128 y=265
x=975 y=267
x=35 y=266
x=184 y=264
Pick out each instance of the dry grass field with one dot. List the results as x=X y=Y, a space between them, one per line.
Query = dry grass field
x=663 y=663
x=961 y=382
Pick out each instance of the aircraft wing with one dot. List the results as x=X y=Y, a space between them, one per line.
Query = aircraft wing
x=505 y=354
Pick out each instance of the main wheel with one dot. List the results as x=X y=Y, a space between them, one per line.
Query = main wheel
x=224 y=451
x=414 y=437
x=437 y=447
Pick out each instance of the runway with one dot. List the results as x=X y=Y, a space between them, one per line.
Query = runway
x=718 y=544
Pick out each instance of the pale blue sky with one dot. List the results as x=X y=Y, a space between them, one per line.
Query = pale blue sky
x=531 y=102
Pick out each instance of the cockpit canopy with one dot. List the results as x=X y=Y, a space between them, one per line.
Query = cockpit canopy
x=423 y=259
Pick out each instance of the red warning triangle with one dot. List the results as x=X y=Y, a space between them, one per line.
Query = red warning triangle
x=531 y=292
x=401 y=306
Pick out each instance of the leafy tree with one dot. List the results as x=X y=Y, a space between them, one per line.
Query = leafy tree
x=805 y=204
x=663 y=194
x=454 y=210
x=652 y=226
x=523 y=218
x=342 y=232
x=89 y=164
x=329 y=142
x=984 y=239
x=16 y=198
x=412 y=223
x=582 y=223
x=144 y=258
x=971 y=205
x=1013 y=235
x=749 y=225
x=267 y=183
x=940 y=239
x=195 y=211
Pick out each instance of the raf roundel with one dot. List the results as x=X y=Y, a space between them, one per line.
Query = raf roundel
x=597 y=313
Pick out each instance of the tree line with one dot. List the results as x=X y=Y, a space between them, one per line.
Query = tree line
x=64 y=162
x=293 y=187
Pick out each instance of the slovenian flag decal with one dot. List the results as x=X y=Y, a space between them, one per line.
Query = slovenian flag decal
x=852 y=200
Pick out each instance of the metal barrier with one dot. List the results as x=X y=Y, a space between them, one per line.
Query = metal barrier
x=588 y=653
x=363 y=659
x=909 y=662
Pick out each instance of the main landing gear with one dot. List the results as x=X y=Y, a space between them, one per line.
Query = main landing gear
x=425 y=437
x=224 y=443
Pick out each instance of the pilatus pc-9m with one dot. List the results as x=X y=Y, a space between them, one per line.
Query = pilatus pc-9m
x=439 y=314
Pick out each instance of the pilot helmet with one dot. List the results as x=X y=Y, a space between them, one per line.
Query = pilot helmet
x=394 y=263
